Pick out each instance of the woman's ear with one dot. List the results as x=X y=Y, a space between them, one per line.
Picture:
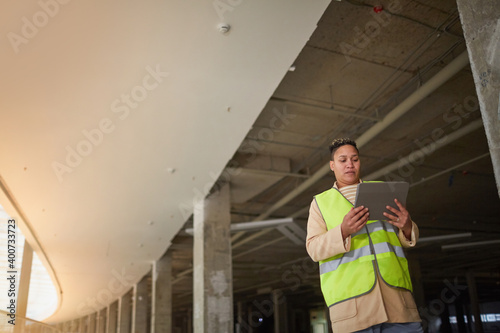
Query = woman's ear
x=332 y=165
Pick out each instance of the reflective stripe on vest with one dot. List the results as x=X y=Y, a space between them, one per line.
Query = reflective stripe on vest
x=376 y=246
x=364 y=251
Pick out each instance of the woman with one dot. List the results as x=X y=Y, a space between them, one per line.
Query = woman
x=364 y=274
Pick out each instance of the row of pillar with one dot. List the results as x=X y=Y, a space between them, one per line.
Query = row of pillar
x=149 y=308
x=135 y=311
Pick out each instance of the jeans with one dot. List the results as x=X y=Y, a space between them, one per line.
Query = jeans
x=394 y=328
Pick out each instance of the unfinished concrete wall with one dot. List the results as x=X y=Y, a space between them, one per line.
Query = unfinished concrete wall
x=481 y=25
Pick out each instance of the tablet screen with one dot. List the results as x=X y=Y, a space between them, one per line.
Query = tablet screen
x=376 y=196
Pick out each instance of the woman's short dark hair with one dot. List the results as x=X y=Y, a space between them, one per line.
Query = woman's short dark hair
x=337 y=143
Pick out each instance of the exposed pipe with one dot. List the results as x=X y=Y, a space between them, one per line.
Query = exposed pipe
x=429 y=149
x=443 y=237
x=250 y=226
x=449 y=169
x=474 y=244
x=331 y=110
x=255 y=248
x=427 y=88
x=266 y=172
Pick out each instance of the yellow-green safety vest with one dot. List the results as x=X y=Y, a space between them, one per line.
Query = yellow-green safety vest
x=375 y=246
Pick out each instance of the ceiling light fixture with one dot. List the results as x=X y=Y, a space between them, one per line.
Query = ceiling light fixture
x=223 y=28
x=249 y=226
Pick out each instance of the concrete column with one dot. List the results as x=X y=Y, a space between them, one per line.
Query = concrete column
x=81 y=325
x=481 y=26
x=92 y=323
x=75 y=325
x=101 y=324
x=112 y=317
x=24 y=287
x=125 y=313
x=280 y=312
x=445 y=320
x=212 y=271
x=190 y=320
x=239 y=315
x=140 y=308
x=459 y=311
x=249 y=327
x=161 y=312
x=474 y=300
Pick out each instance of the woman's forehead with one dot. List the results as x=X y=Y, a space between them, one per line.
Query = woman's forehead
x=346 y=150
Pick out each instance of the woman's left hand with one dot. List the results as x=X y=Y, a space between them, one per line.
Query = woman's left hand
x=400 y=218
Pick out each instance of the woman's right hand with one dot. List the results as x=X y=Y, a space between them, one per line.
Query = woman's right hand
x=354 y=221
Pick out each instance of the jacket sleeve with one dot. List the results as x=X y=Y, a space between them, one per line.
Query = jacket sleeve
x=322 y=243
x=414 y=236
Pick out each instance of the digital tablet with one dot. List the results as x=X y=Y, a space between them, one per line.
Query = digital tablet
x=376 y=196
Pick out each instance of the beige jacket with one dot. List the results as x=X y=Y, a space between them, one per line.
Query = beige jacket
x=382 y=304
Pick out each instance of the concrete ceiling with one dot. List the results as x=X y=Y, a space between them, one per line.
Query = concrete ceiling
x=116 y=115
x=357 y=67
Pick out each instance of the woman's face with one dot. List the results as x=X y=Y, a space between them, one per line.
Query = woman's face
x=346 y=166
